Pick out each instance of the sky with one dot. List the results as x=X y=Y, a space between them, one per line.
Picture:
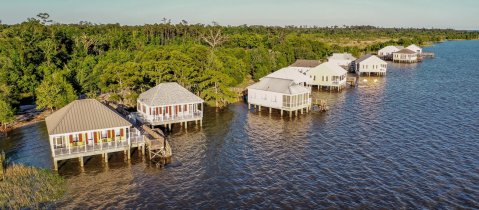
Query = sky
x=456 y=14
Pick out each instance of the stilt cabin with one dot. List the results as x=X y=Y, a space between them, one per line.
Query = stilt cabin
x=342 y=59
x=304 y=66
x=280 y=94
x=88 y=127
x=370 y=64
x=329 y=75
x=386 y=53
x=169 y=103
x=405 y=56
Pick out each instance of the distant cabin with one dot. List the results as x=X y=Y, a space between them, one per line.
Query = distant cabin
x=290 y=73
x=281 y=94
x=415 y=48
x=387 y=52
x=169 y=103
x=342 y=59
x=405 y=56
x=370 y=64
x=88 y=127
x=304 y=66
x=329 y=75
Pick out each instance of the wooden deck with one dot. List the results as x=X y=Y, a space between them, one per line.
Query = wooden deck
x=159 y=150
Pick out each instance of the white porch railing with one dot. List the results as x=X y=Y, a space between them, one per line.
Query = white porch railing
x=168 y=118
x=91 y=148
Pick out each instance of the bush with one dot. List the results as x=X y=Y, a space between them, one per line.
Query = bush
x=29 y=187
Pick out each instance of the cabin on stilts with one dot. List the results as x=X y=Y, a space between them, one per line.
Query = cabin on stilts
x=386 y=53
x=87 y=127
x=405 y=56
x=282 y=94
x=329 y=75
x=169 y=103
x=370 y=64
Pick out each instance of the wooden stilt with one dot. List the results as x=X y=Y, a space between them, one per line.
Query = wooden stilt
x=106 y=157
x=129 y=154
x=55 y=165
x=81 y=161
x=270 y=111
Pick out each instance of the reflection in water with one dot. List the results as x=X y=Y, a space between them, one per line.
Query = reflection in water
x=408 y=140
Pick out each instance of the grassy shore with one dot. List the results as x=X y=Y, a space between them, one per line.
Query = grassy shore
x=29 y=187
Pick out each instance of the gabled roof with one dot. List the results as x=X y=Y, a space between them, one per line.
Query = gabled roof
x=305 y=63
x=342 y=56
x=284 y=86
x=168 y=93
x=405 y=51
x=83 y=115
x=391 y=48
x=413 y=47
x=330 y=69
x=289 y=73
x=368 y=57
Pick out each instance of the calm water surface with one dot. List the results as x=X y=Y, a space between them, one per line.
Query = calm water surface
x=408 y=140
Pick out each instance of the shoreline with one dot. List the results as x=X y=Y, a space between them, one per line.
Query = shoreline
x=38 y=116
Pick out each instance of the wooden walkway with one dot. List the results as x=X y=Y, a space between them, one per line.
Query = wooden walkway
x=159 y=150
x=320 y=105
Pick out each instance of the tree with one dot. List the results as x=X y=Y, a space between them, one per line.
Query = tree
x=44 y=17
x=214 y=85
x=54 y=92
x=6 y=114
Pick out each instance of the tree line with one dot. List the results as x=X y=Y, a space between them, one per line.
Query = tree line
x=53 y=64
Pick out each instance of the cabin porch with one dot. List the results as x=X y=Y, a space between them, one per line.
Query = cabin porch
x=89 y=143
x=169 y=114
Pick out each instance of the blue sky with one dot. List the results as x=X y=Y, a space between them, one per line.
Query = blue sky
x=457 y=14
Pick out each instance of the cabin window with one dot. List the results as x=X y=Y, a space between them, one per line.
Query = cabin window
x=76 y=138
x=274 y=99
x=58 y=142
x=314 y=78
x=117 y=132
x=326 y=78
x=322 y=78
x=103 y=134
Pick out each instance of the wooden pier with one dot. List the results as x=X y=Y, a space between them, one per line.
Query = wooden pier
x=351 y=81
x=159 y=150
x=320 y=105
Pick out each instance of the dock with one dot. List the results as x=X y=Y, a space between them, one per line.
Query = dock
x=352 y=81
x=320 y=105
x=159 y=150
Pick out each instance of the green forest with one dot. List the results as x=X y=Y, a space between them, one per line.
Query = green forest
x=52 y=64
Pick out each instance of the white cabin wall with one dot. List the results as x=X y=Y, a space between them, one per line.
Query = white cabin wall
x=265 y=98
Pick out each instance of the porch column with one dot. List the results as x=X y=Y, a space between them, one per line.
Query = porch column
x=55 y=164
x=52 y=146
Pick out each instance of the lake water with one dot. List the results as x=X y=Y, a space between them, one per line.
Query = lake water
x=407 y=140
